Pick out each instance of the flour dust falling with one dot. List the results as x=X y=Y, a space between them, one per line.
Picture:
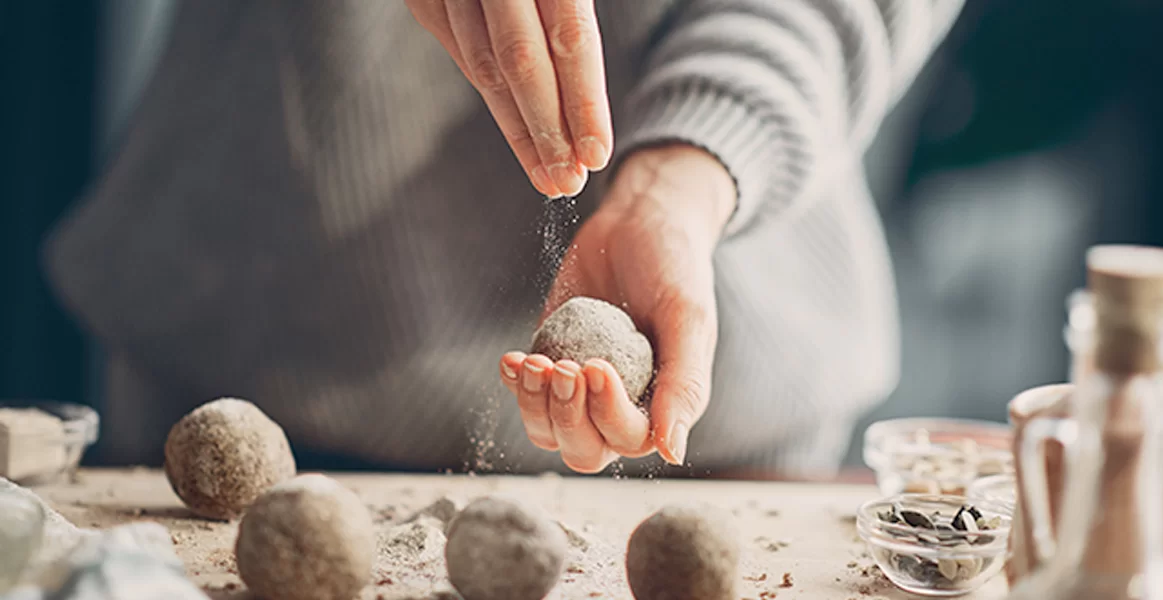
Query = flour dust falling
x=557 y=221
x=558 y=218
x=483 y=453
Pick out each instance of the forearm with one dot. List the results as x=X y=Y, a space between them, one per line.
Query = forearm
x=781 y=93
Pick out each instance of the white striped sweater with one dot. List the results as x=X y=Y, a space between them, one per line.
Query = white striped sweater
x=312 y=209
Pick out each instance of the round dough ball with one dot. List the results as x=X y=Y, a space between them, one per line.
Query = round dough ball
x=309 y=538
x=223 y=455
x=586 y=328
x=499 y=549
x=684 y=552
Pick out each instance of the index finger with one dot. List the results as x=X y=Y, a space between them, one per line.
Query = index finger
x=576 y=46
x=522 y=52
x=466 y=20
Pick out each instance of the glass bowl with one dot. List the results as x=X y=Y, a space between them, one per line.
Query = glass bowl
x=936 y=456
x=21 y=530
x=45 y=451
x=933 y=544
x=998 y=489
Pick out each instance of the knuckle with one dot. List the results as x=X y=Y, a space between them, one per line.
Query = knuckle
x=556 y=157
x=532 y=408
x=567 y=420
x=532 y=403
x=688 y=395
x=602 y=416
x=552 y=146
x=560 y=151
x=571 y=37
x=519 y=136
x=519 y=59
x=586 y=108
x=485 y=71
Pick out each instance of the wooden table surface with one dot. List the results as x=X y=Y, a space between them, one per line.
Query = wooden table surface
x=805 y=530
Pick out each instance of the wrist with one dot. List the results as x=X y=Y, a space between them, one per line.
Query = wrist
x=687 y=181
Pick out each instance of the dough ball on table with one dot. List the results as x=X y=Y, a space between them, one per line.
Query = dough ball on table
x=499 y=549
x=684 y=552
x=309 y=538
x=223 y=455
x=586 y=328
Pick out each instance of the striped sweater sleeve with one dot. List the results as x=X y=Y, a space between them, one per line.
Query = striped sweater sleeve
x=782 y=92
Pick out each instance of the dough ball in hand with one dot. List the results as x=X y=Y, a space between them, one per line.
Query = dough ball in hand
x=309 y=538
x=223 y=455
x=586 y=328
x=499 y=549
x=684 y=552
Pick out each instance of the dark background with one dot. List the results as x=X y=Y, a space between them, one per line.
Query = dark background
x=48 y=78
x=1035 y=132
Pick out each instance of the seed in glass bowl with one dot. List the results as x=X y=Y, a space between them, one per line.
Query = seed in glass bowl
x=916 y=519
x=943 y=531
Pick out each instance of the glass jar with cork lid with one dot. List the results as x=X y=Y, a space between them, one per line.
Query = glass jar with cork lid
x=1106 y=525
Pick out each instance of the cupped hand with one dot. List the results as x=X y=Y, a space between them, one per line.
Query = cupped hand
x=538 y=65
x=648 y=249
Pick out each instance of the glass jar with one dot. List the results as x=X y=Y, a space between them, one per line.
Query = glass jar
x=1105 y=531
x=1150 y=493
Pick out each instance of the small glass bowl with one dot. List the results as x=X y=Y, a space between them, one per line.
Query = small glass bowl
x=998 y=489
x=80 y=429
x=21 y=530
x=936 y=456
x=941 y=561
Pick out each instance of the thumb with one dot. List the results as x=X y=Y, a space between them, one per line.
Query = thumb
x=685 y=331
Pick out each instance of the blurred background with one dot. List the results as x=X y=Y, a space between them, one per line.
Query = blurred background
x=1036 y=131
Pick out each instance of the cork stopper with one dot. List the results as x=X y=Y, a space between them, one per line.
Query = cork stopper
x=1126 y=282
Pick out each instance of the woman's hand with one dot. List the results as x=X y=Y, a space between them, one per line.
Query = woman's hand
x=538 y=66
x=648 y=249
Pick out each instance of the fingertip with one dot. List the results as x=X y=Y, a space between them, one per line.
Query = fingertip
x=661 y=444
x=601 y=365
x=593 y=153
x=511 y=365
x=609 y=393
x=672 y=443
x=570 y=178
x=544 y=184
x=567 y=382
x=538 y=360
x=595 y=376
x=536 y=371
x=569 y=365
x=678 y=441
